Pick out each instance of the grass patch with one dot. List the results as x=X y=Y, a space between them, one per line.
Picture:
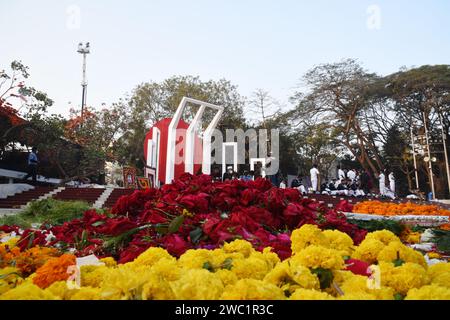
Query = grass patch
x=50 y=211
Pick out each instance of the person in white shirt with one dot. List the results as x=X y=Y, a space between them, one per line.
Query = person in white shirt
x=283 y=184
x=351 y=174
x=382 y=183
x=341 y=175
x=314 y=172
x=391 y=182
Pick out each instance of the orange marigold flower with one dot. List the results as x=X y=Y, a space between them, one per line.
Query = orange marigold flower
x=54 y=270
x=30 y=260
x=394 y=209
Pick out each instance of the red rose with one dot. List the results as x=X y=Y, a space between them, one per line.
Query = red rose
x=174 y=244
x=358 y=267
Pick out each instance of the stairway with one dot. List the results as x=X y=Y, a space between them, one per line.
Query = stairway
x=89 y=195
x=115 y=195
x=19 y=200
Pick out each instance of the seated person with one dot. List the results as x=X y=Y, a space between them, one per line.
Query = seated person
x=332 y=185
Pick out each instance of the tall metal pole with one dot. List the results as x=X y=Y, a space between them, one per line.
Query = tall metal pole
x=444 y=142
x=84 y=50
x=414 y=159
x=84 y=86
x=430 y=166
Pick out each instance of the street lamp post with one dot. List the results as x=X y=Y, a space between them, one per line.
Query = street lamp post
x=83 y=49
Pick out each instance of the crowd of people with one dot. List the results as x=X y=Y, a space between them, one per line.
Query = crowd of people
x=348 y=182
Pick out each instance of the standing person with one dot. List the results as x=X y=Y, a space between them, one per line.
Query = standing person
x=382 y=183
x=364 y=182
x=341 y=174
x=391 y=179
x=283 y=184
x=314 y=172
x=32 y=165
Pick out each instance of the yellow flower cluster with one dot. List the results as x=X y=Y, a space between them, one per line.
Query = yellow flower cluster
x=385 y=246
x=315 y=271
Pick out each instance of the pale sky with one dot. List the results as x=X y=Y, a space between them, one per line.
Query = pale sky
x=252 y=43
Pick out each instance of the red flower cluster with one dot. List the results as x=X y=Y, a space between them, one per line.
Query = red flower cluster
x=194 y=212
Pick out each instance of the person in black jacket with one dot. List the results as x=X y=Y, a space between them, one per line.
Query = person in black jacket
x=296 y=182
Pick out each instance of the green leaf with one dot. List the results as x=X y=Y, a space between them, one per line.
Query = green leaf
x=398 y=262
x=98 y=223
x=398 y=296
x=208 y=266
x=175 y=224
x=162 y=229
x=325 y=277
x=227 y=264
x=195 y=235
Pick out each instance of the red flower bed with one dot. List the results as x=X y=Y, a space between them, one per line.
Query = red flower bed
x=194 y=212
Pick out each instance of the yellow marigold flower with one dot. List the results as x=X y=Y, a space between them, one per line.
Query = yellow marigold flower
x=197 y=284
x=431 y=292
x=109 y=262
x=358 y=284
x=124 y=282
x=241 y=246
x=403 y=278
x=27 y=291
x=384 y=236
x=222 y=260
x=340 y=276
x=195 y=259
x=319 y=257
x=307 y=235
x=434 y=255
x=168 y=269
x=439 y=274
x=396 y=250
x=308 y=294
x=61 y=290
x=290 y=276
x=152 y=255
x=251 y=267
x=87 y=293
x=442 y=280
x=92 y=276
x=9 y=278
x=11 y=242
x=251 y=289
x=156 y=288
x=368 y=250
x=228 y=277
x=339 y=241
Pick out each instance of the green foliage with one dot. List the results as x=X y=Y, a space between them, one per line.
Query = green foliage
x=442 y=240
x=49 y=211
x=374 y=225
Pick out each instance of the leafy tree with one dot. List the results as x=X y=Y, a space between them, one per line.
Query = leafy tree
x=338 y=96
x=18 y=102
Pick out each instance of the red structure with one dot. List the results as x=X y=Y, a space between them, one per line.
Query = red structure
x=157 y=138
